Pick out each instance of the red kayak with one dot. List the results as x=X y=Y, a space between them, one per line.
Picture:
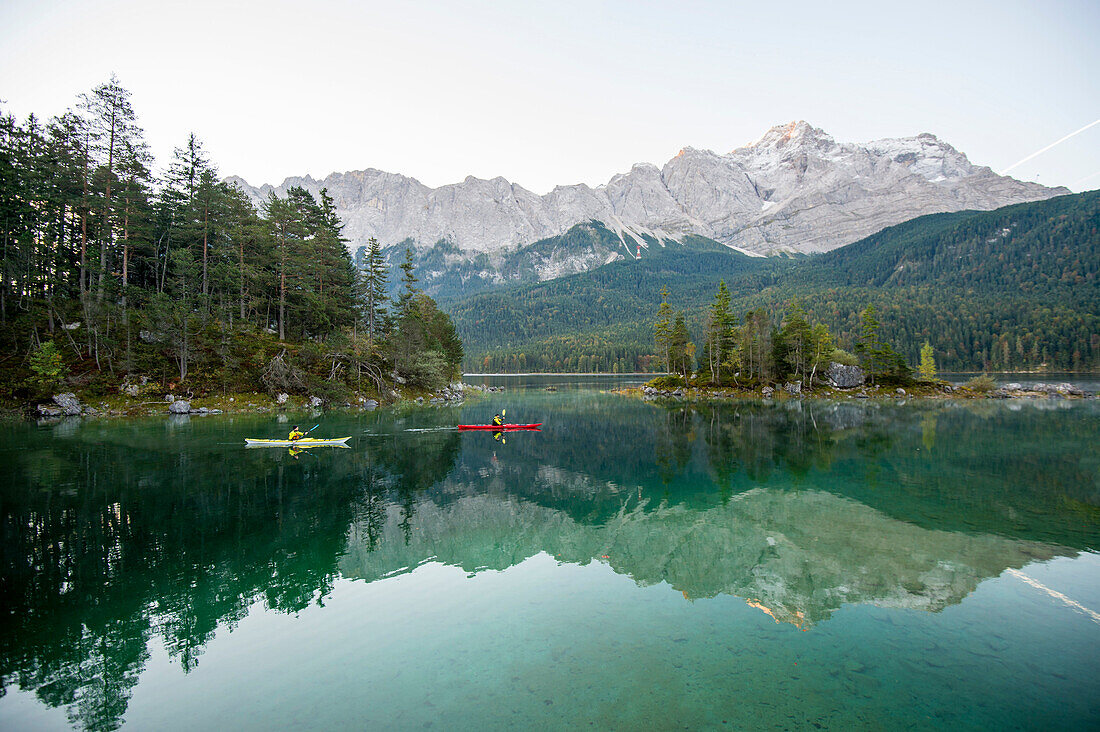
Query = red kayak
x=500 y=427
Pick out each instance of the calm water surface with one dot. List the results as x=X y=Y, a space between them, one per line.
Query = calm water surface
x=633 y=565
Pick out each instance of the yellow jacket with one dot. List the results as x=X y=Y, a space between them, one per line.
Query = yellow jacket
x=296 y=435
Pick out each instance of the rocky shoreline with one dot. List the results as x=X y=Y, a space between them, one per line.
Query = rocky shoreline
x=927 y=390
x=138 y=400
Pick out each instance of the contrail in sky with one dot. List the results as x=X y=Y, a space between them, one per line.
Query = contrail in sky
x=1053 y=144
x=1087 y=177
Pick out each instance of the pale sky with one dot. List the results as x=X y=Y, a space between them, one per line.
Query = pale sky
x=565 y=91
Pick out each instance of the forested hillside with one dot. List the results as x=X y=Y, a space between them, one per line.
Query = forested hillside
x=594 y=320
x=110 y=272
x=447 y=272
x=1014 y=288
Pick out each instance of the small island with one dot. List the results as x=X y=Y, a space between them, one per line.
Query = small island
x=757 y=359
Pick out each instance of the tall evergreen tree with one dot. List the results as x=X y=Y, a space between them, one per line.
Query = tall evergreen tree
x=719 y=333
x=375 y=299
x=113 y=132
x=681 y=349
x=796 y=343
x=755 y=344
x=663 y=330
x=408 y=283
x=868 y=346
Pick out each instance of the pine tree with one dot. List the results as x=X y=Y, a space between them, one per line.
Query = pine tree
x=868 y=347
x=796 y=338
x=336 y=278
x=821 y=349
x=719 y=338
x=408 y=283
x=113 y=132
x=663 y=331
x=681 y=350
x=287 y=232
x=375 y=278
x=755 y=344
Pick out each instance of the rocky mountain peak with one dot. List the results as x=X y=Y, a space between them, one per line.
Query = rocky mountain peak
x=793 y=134
x=793 y=190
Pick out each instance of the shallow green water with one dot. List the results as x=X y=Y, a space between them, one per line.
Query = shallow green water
x=633 y=565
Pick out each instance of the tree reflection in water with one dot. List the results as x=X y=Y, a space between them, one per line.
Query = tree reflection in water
x=116 y=534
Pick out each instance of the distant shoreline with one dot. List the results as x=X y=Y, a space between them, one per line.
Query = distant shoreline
x=653 y=375
x=915 y=391
x=568 y=373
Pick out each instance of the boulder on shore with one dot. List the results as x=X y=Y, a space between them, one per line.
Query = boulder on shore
x=68 y=403
x=845 y=377
x=138 y=386
x=180 y=406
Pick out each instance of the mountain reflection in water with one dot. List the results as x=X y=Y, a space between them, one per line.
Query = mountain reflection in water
x=119 y=533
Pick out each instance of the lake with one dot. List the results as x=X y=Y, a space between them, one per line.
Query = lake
x=633 y=565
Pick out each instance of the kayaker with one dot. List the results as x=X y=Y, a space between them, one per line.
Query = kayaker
x=296 y=434
x=498 y=420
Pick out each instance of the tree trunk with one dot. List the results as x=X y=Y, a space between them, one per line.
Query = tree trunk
x=282 y=286
x=205 y=234
x=106 y=235
x=84 y=226
x=240 y=249
x=126 y=277
x=282 y=305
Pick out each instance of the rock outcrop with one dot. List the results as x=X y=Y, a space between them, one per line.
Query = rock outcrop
x=844 y=377
x=69 y=405
x=794 y=190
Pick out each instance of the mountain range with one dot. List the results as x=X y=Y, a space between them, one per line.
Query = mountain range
x=1008 y=289
x=795 y=190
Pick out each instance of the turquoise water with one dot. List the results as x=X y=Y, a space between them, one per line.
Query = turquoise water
x=633 y=565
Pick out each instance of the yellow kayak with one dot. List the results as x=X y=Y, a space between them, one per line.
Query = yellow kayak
x=304 y=442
